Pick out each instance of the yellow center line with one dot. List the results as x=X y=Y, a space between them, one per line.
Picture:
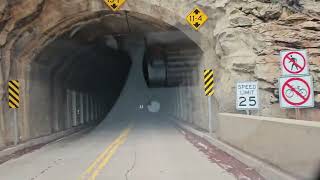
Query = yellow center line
x=106 y=159
x=100 y=158
x=93 y=170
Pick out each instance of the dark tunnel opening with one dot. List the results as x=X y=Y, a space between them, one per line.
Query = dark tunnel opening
x=88 y=68
x=78 y=77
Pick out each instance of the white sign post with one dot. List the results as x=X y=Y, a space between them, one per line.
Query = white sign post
x=296 y=92
x=247 y=95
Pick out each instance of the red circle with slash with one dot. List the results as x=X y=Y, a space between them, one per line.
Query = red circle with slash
x=301 y=68
x=304 y=99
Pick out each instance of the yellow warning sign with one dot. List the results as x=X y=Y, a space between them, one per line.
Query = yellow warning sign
x=208 y=82
x=196 y=18
x=13 y=91
x=114 y=4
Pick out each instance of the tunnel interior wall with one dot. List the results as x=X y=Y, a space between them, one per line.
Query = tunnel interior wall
x=71 y=89
x=40 y=101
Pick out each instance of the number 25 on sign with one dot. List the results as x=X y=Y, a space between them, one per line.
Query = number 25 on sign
x=247 y=95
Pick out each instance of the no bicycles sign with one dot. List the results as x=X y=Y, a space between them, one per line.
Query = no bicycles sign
x=294 y=63
x=296 y=92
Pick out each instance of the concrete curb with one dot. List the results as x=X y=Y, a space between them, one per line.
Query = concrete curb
x=268 y=171
x=43 y=140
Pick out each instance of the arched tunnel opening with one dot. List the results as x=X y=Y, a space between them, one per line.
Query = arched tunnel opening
x=138 y=93
x=80 y=76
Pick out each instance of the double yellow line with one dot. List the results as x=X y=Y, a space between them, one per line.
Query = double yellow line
x=94 y=169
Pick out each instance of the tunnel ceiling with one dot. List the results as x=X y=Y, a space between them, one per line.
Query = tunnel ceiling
x=84 y=53
x=111 y=25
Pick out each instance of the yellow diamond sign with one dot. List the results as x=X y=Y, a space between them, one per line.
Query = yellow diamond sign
x=196 y=18
x=114 y=4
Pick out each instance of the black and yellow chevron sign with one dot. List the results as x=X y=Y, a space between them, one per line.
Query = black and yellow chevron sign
x=208 y=82
x=13 y=91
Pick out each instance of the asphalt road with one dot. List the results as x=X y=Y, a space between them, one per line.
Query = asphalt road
x=148 y=147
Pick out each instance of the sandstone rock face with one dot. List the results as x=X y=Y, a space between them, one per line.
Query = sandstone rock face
x=250 y=46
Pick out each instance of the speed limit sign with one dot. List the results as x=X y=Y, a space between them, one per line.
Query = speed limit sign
x=247 y=95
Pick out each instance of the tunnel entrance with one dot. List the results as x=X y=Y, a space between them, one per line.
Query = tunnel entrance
x=78 y=77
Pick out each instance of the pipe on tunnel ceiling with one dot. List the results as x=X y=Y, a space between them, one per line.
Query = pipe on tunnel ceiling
x=167 y=68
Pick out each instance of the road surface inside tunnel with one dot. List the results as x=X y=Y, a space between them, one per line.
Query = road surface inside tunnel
x=130 y=143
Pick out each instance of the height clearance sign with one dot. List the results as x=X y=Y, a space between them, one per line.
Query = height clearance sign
x=294 y=63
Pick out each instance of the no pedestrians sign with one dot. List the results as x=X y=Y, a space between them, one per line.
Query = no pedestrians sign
x=294 y=63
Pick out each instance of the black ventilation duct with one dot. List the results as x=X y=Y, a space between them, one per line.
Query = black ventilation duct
x=171 y=67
